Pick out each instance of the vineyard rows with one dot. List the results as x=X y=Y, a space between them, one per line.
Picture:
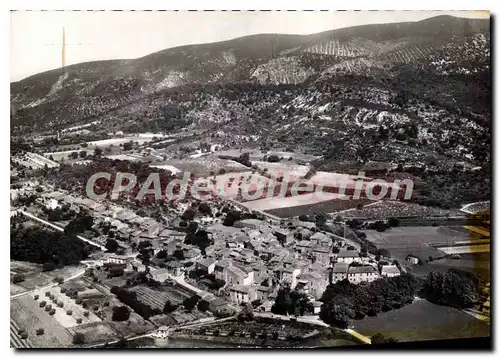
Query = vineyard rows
x=157 y=299
x=15 y=340
x=334 y=47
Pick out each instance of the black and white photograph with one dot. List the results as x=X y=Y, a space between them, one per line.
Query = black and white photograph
x=250 y=179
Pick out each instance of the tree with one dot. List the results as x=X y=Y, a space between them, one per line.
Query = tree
x=203 y=305
x=337 y=312
x=73 y=155
x=246 y=313
x=78 y=338
x=111 y=245
x=455 y=288
x=188 y=215
x=273 y=158
x=83 y=154
x=128 y=145
x=204 y=208
x=97 y=151
x=120 y=313
x=169 y=307
x=18 y=277
x=394 y=222
x=379 y=338
x=40 y=331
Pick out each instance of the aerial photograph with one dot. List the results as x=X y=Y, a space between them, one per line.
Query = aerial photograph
x=250 y=179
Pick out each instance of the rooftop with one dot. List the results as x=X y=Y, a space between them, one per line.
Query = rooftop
x=361 y=269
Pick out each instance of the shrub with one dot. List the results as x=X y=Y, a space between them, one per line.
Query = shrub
x=78 y=301
x=18 y=277
x=96 y=308
x=24 y=335
x=86 y=313
x=63 y=289
x=78 y=320
x=275 y=335
x=52 y=312
x=78 y=338
x=60 y=304
x=42 y=304
x=69 y=312
x=36 y=297
x=40 y=331
x=47 y=294
x=216 y=332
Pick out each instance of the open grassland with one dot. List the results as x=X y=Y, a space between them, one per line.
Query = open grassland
x=478 y=263
x=423 y=320
x=414 y=240
x=96 y=332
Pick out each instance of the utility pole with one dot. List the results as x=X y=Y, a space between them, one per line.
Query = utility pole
x=63 y=50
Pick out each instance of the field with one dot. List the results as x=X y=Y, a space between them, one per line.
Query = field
x=290 y=202
x=96 y=332
x=386 y=209
x=294 y=171
x=231 y=182
x=34 y=277
x=257 y=155
x=423 y=320
x=402 y=241
x=479 y=263
x=157 y=298
x=204 y=166
x=314 y=207
x=26 y=313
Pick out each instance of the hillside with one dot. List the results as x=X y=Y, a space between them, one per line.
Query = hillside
x=84 y=91
x=416 y=93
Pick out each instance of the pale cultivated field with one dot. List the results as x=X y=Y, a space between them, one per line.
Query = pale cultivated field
x=291 y=201
x=69 y=304
x=227 y=184
x=170 y=168
x=26 y=313
x=294 y=171
x=256 y=154
x=472 y=249
x=205 y=165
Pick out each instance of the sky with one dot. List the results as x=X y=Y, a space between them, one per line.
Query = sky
x=36 y=36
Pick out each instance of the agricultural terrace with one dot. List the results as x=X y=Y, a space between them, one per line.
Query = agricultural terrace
x=429 y=322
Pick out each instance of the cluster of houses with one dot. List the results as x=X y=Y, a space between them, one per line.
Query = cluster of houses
x=254 y=257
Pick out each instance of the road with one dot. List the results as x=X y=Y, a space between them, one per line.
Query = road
x=58 y=228
x=76 y=275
